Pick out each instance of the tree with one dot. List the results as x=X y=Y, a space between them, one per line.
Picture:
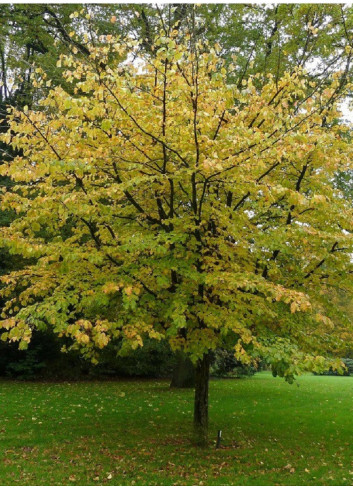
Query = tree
x=159 y=201
x=265 y=38
x=279 y=37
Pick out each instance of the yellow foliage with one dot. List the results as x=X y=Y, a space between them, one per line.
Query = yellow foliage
x=177 y=205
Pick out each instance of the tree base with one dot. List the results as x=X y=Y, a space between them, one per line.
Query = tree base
x=200 y=436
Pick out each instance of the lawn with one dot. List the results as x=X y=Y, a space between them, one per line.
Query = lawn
x=138 y=432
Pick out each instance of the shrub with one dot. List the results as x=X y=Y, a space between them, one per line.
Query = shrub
x=154 y=359
x=26 y=368
x=226 y=365
x=44 y=360
x=349 y=368
x=349 y=365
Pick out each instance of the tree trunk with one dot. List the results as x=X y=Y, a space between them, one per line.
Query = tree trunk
x=201 y=400
x=184 y=372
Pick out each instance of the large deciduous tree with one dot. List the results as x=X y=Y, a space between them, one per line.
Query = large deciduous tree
x=265 y=38
x=155 y=199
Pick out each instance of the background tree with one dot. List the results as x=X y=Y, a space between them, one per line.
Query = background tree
x=193 y=210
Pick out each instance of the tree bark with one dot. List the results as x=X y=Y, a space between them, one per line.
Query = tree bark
x=184 y=372
x=202 y=373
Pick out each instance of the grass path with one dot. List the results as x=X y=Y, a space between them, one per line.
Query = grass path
x=100 y=433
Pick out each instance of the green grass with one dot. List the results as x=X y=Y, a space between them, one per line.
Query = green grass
x=100 y=433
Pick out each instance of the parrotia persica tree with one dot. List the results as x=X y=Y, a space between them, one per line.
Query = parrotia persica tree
x=160 y=201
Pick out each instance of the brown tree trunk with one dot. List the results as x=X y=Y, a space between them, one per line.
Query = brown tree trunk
x=184 y=372
x=201 y=400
